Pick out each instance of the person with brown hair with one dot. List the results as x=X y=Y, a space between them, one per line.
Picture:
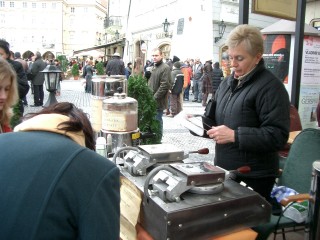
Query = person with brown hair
x=137 y=67
x=54 y=186
x=23 y=86
x=89 y=73
x=8 y=94
x=206 y=83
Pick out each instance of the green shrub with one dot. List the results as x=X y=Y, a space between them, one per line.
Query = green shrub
x=99 y=68
x=75 y=70
x=147 y=108
x=63 y=62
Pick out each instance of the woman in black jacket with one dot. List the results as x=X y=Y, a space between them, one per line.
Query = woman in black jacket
x=251 y=121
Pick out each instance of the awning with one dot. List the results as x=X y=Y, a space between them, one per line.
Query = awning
x=91 y=53
x=288 y=27
x=88 y=50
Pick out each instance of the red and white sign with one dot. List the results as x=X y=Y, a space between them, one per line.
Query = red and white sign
x=143 y=48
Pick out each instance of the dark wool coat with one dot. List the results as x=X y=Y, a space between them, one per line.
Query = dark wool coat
x=53 y=188
x=258 y=111
x=36 y=69
x=206 y=84
x=115 y=67
x=160 y=84
x=217 y=74
x=23 y=86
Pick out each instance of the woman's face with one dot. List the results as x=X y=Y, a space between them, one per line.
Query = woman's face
x=241 y=61
x=5 y=85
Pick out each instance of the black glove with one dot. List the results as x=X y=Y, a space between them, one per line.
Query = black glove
x=147 y=75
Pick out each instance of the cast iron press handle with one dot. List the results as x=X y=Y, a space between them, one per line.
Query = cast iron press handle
x=201 y=151
x=243 y=170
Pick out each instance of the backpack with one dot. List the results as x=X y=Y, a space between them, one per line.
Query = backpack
x=178 y=84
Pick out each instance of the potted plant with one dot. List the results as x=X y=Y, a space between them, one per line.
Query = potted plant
x=63 y=64
x=75 y=71
x=99 y=68
x=147 y=108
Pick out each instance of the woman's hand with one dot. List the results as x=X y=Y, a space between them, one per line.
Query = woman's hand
x=221 y=134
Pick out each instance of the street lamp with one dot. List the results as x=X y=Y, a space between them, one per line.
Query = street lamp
x=166 y=25
x=51 y=79
x=106 y=22
x=105 y=26
x=222 y=28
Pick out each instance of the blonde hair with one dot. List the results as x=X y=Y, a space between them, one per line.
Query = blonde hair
x=250 y=36
x=6 y=71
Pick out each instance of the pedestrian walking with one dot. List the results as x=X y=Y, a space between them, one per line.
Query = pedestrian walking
x=216 y=78
x=37 y=67
x=197 y=80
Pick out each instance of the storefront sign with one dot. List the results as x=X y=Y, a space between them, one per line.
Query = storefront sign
x=286 y=9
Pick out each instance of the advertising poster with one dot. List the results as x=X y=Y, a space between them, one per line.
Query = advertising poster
x=310 y=71
x=277 y=54
x=310 y=82
x=308 y=101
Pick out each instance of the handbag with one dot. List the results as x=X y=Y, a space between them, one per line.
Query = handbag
x=30 y=76
x=210 y=109
x=208 y=118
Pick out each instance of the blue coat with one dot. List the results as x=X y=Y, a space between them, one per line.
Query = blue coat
x=53 y=188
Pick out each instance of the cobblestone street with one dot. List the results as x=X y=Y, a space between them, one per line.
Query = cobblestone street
x=174 y=133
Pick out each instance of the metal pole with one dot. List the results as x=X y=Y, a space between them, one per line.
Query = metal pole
x=298 y=50
x=243 y=11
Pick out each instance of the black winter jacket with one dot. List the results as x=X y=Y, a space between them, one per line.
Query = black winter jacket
x=258 y=110
x=217 y=74
x=115 y=67
x=23 y=86
x=177 y=79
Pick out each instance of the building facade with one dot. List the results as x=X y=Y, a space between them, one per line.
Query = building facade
x=193 y=27
x=69 y=26
x=56 y=27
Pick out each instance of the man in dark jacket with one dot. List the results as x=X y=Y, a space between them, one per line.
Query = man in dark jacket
x=38 y=79
x=160 y=83
x=115 y=66
x=197 y=80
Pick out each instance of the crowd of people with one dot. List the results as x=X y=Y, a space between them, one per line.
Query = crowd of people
x=72 y=192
